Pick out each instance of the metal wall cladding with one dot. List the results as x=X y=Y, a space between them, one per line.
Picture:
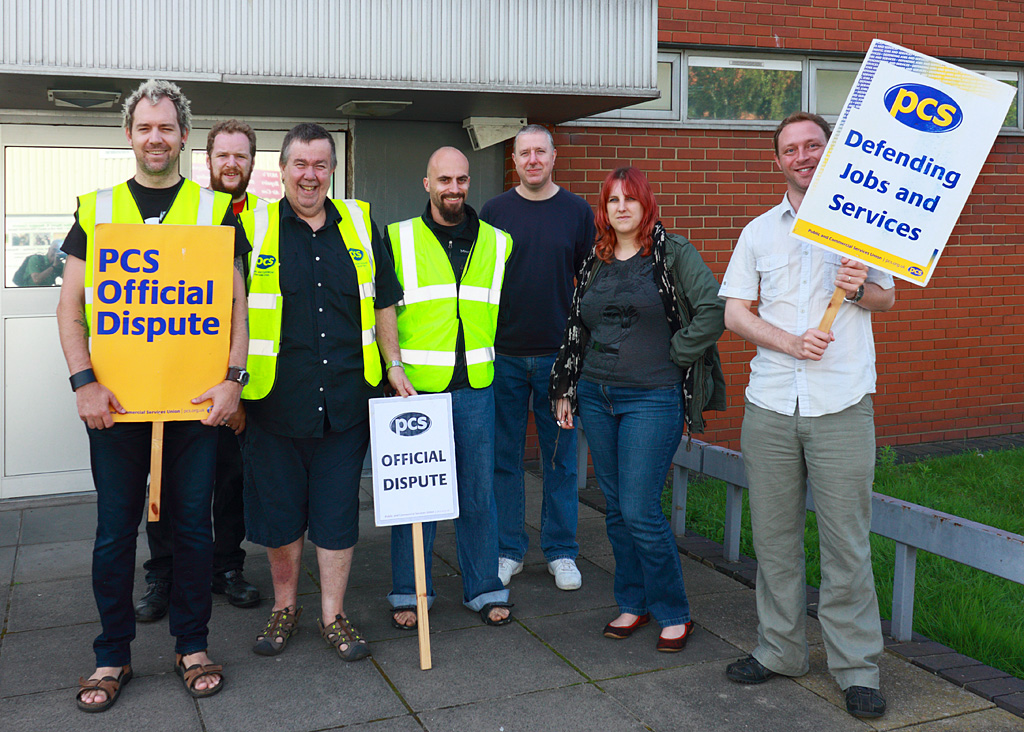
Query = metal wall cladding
x=537 y=45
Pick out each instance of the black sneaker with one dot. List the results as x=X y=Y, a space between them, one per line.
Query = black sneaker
x=240 y=593
x=862 y=701
x=748 y=671
x=153 y=604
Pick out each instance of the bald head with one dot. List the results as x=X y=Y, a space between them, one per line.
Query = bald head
x=447 y=183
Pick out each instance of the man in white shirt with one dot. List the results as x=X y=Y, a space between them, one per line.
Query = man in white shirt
x=808 y=419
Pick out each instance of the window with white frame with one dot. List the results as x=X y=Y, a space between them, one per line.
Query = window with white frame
x=756 y=90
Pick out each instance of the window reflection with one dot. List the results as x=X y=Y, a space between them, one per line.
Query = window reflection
x=41 y=184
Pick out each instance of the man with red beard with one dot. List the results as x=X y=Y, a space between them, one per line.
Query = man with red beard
x=230 y=154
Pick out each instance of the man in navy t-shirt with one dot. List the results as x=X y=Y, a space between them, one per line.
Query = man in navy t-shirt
x=553 y=231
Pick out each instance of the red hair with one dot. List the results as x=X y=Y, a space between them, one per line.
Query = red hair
x=635 y=185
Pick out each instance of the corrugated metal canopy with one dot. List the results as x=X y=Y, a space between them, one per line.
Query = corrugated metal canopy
x=548 y=60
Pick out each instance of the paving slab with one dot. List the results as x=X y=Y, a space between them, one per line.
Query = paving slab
x=988 y=720
x=472 y=665
x=371 y=565
x=572 y=709
x=7 y=557
x=579 y=639
x=534 y=592
x=58 y=523
x=697 y=699
x=911 y=696
x=152 y=703
x=592 y=536
x=41 y=660
x=732 y=616
x=10 y=526
x=54 y=604
x=299 y=691
x=43 y=562
x=407 y=723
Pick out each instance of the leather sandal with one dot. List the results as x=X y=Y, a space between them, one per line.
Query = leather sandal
x=109 y=685
x=403 y=609
x=283 y=624
x=485 y=613
x=344 y=638
x=192 y=674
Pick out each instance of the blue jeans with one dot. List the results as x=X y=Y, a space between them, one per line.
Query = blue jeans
x=514 y=379
x=120 y=464
x=476 y=528
x=633 y=434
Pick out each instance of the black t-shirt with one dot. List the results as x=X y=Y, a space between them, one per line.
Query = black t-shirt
x=153 y=204
x=319 y=385
x=551 y=239
x=457 y=242
x=629 y=334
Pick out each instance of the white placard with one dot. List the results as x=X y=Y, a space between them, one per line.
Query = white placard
x=413 y=453
x=902 y=159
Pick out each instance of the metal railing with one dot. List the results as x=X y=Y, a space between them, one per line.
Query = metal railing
x=912 y=527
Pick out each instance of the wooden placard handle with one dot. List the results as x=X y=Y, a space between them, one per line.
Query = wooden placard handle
x=156 y=470
x=422 y=621
x=832 y=310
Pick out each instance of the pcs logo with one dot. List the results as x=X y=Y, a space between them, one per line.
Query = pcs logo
x=356 y=254
x=265 y=261
x=410 y=424
x=923 y=108
x=916 y=271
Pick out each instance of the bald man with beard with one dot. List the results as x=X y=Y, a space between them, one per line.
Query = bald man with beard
x=451 y=266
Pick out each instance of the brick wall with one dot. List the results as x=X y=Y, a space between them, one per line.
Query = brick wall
x=950 y=356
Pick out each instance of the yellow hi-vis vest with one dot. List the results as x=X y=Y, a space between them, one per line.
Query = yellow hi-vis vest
x=429 y=314
x=263 y=227
x=193 y=206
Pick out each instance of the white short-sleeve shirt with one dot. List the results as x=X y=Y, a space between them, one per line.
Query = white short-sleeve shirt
x=794 y=282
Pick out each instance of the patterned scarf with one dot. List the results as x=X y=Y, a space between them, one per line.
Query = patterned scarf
x=565 y=374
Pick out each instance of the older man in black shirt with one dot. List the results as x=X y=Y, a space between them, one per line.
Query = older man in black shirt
x=318 y=269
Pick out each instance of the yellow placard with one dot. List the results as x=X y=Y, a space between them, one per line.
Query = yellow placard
x=161 y=316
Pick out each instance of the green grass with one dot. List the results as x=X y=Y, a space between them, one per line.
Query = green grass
x=977 y=614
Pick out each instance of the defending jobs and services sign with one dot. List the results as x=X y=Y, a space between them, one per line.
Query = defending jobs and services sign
x=902 y=159
x=413 y=449
x=161 y=316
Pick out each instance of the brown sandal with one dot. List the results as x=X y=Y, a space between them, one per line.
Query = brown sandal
x=192 y=674
x=283 y=624
x=109 y=685
x=344 y=638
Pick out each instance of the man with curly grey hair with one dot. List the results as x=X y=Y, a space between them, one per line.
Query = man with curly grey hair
x=157 y=122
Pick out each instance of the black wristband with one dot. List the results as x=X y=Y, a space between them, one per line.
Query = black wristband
x=83 y=377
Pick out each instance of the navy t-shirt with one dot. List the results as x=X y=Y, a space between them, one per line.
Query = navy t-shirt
x=552 y=238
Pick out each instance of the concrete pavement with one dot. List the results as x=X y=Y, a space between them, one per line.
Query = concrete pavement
x=551 y=670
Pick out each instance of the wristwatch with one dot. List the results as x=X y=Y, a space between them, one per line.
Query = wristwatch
x=858 y=296
x=392 y=364
x=237 y=374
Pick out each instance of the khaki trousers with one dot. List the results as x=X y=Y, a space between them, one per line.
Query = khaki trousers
x=835 y=453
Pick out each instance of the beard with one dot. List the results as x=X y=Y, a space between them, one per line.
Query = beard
x=171 y=163
x=217 y=183
x=453 y=212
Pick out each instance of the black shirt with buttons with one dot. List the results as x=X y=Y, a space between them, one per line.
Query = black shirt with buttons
x=319 y=384
x=457 y=242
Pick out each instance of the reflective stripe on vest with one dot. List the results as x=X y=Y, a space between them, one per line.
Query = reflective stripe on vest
x=192 y=206
x=433 y=306
x=266 y=303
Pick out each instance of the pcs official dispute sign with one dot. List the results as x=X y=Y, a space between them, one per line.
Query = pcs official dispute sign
x=413 y=449
x=902 y=160
x=161 y=316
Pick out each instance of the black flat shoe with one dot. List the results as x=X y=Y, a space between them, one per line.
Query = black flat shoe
x=153 y=604
x=748 y=671
x=233 y=584
x=862 y=701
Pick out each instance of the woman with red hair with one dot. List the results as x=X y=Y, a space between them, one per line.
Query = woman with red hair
x=638 y=363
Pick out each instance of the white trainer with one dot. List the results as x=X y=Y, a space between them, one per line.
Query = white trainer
x=508 y=567
x=567 y=576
